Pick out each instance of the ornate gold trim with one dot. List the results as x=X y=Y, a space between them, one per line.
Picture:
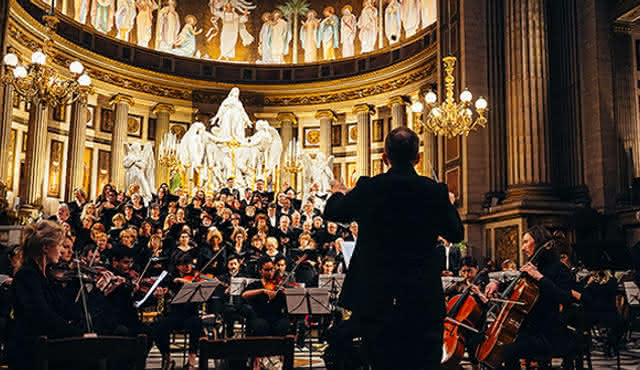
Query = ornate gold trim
x=163 y=107
x=400 y=99
x=287 y=116
x=122 y=98
x=326 y=114
x=364 y=108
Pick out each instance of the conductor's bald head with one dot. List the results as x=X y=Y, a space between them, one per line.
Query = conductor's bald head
x=401 y=147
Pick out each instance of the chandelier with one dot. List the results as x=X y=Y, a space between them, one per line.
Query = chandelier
x=451 y=118
x=38 y=82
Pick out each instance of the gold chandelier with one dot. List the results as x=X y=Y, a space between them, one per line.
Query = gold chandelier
x=38 y=82
x=451 y=118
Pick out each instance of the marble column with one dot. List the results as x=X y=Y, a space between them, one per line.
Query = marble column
x=398 y=111
x=363 y=114
x=36 y=155
x=429 y=159
x=119 y=138
x=527 y=91
x=75 y=154
x=326 y=118
x=288 y=130
x=5 y=131
x=163 y=113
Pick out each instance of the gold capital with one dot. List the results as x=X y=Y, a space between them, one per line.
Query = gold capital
x=400 y=99
x=163 y=107
x=326 y=114
x=364 y=108
x=287 y=116
x=121 y=98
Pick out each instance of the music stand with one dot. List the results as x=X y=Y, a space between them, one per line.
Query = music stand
x=195 y=292
x=333 y=282
x=308 y=301
x=633 y=294
x=237 y=286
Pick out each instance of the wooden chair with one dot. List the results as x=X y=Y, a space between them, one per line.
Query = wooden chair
x=242 y=348
x=91 y=352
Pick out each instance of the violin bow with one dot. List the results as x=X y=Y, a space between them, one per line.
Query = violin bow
x=213 y=258
x=290 y=273
x=82 y=292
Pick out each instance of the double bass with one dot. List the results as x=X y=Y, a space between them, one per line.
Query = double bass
x=522 y=295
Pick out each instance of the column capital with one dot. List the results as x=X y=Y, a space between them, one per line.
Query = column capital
x=163 y=107
x=364 y=108
x=399 y=99
x=326 y=113
x=287 y=116
x=121 y=98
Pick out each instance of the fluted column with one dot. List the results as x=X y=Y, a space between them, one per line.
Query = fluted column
x=77 y=139
x=36 y=156
x=363 y=113
x=5 y=131
x=287 y=122
x=119 y=138
x=398 y=111
x=527 y=81
x=163 y=114
x=326 y=118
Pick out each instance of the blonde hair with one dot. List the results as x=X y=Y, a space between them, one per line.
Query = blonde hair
x=38 y=236
x=271 y=240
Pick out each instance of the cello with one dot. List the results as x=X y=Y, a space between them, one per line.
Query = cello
x=462 y=313
x=523 y=294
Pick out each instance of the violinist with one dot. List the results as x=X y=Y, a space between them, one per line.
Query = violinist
x=269 y=315
x=179 y=316
x=37 y=309
x=541 y=331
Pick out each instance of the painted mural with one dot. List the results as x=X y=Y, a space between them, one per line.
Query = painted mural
x=249 y=31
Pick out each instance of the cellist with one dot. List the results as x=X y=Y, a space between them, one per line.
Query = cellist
x=541 y=332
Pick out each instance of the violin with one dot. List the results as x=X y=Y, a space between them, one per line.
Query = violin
x=523 y=294
x=463 y=312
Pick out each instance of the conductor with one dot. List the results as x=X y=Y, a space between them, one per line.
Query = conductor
x=393 y=283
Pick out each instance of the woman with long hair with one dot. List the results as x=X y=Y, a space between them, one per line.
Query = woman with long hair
x=36 y=311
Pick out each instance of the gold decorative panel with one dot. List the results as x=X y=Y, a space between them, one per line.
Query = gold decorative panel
x=106 y=120
x=377 y=133
x=178 y=128
x=134 y=125
x=352 y=174
x=311 y=137
x=12 y=158
x=55 y=168
x=87 y=165
x=25 y=138
x=377 y=167
x=352 y=133
x=60 y=113
x=104 y=166
x=506 y=243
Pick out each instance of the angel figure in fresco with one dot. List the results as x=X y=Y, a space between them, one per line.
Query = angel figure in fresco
x=125 y=18
x=411 y=13
x=348 y=30
x=429 y=12
x=81 y=10
x=144 y=21
x=280 y=37
x=309 y=37
x=185 y=45
x=392 y=22
x=167 y=27
x=215 y=6
x=264 y=38
x=140 y=167
x=102 y=12
x=368 y=24
x=232 y=25
x=329 y=33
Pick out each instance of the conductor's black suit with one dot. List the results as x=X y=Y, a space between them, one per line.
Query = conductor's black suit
x=393 y=282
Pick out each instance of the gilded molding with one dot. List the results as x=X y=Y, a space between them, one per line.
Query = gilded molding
x=287 y=116
x=122 y=98
x=326 y=114
x=400 y=99
x=163 y=107
x=364 y=108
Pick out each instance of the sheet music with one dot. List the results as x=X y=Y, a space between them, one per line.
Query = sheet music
x=447 y=281
x=153 y=287
x=318 y=301
x=347 y=251
x=331 y=281
x=633 y=293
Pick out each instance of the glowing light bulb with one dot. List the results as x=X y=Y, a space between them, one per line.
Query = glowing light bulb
x=466 y=96
x=417 y=107
x=481 y=103
x=76 y=67
x=84 y=80
x=431 y=97
x=435 y=112
x=39 y=58
x=20 y=72
x=11 y=60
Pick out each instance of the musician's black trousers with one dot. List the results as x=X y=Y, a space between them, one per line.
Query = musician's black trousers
x=193 y=326
x=261 y=327
x=403 y=339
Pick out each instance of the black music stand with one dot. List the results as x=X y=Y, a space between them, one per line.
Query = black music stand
x=308 y=301
x=195 y=292
x=333 y=282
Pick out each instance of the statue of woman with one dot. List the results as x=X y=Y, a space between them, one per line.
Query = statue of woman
x=231 y=118
x=140 y=166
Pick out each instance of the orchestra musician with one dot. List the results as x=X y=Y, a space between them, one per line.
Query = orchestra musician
x=394 y=274
x=37 y=308
x=268 y=316
x=541 y=333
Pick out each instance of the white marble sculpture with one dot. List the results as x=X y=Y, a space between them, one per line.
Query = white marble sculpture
x=140 y=168
x=231 y=118
x=318 y=171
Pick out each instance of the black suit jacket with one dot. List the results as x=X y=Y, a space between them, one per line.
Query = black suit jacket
x=400 y=215
x=455 y=258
